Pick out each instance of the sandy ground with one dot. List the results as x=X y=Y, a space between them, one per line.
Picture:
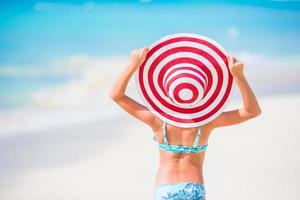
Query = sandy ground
x=115 y=158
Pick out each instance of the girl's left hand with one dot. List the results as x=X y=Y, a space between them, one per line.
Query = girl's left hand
x=235 y=66
x=138 y=57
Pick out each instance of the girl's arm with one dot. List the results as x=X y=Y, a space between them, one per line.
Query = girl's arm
x=118 y=95
x=250 y=108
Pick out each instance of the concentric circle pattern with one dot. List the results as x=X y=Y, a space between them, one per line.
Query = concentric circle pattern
x=185 y=79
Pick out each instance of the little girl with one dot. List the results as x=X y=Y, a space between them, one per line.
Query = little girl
x=180 y=174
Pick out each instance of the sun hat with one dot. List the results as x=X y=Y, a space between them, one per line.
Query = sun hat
x=185 y=79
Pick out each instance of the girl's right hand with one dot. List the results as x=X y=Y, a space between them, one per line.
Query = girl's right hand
x=138 y=57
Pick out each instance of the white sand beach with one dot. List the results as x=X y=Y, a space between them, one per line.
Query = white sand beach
x=115 y=158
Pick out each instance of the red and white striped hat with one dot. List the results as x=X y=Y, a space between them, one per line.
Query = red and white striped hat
x=185 y=79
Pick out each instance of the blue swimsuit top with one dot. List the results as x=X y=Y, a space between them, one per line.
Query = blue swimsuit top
x=181 y=148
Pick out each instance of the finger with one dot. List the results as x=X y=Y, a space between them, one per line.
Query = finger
x=145 y=50
x=234 y=60
x=228 y=56
x=230 y=59
x=239 y=63
x=141 y=51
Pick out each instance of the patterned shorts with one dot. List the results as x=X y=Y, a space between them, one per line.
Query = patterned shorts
x=180 y=191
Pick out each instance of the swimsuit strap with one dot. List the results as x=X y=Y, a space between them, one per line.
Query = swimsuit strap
x=197 y=137
x=165 y=133
x=166 y=139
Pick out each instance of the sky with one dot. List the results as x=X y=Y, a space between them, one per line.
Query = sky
x=39 y=40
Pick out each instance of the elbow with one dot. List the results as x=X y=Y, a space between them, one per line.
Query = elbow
x=259 y=112
x=251 y=113
x=114 y=97
x=254 y=114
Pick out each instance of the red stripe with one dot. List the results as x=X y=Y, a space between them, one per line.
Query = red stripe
x=181 y=86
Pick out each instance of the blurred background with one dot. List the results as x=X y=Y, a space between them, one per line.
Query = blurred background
x=61 y=137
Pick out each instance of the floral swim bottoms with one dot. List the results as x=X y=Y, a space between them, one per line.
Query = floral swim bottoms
x=180 y=191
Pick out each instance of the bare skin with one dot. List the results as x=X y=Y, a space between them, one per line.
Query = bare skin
x=176 y=167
